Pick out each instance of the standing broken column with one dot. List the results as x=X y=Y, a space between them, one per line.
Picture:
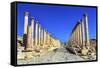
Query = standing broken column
x=86 y=29
x=25 y=29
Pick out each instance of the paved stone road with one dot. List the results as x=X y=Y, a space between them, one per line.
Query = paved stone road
x=60 y=55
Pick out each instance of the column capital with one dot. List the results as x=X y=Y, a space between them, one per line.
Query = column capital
x=79 y=21
x=32 y=18
x=85 y=15
x=37 y=22
x=26 y=13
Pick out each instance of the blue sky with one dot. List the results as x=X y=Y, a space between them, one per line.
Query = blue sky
x=57 y=20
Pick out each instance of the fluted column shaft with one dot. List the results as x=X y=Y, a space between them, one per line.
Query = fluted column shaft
x=36 y=34
x=39 y=34
x=29 y=38
x=32 y=31
x=86 y=31
x=82 y=28
x=80 y=36
x=25 y=29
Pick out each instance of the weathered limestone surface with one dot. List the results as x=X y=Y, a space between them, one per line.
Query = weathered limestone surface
x=35 y=38
x=39 y=46
x=29 y=39
x=32 y=31
x=80 y=35
x=36 y=34
x=79 y=42
x=82 y=28
x=86 y=26
x=25 y=29
x=25 y=22
x=61 y=55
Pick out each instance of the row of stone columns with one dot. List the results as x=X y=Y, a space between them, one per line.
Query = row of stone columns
x=35 y=36
x=80 y=33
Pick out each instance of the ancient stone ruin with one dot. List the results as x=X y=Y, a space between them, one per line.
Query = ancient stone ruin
x=36 y=40
x=79 y=42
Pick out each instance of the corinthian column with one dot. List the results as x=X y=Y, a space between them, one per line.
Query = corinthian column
x=29 y=39
x=78 y=32
x=82 y=29
x=42 y=36
x=36 y=34
x=25 y=22
x=39 y=40
x=73 y=35
x=48 y=40
x=32 y=31
x=80 y=36
x=76 y=35
x=86 y=26
x=25 y=29
x=44 y=41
